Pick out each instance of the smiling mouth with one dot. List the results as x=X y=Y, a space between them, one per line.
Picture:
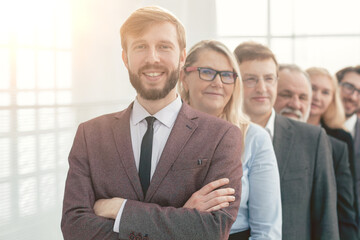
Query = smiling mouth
x=215 y=94
x=260 y=98
x=153 y=74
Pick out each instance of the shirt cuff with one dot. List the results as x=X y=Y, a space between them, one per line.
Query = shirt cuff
x=118 y=217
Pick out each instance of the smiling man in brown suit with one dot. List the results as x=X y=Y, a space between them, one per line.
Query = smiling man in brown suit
x=107 y=194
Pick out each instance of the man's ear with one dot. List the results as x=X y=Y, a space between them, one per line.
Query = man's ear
x=182 y=57
x=125 y=58
x=183 y=81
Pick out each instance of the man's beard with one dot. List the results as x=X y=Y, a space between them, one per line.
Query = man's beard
x=154 y=94
x=347 y=115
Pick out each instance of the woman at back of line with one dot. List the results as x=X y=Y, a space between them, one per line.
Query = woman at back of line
x=210 y=82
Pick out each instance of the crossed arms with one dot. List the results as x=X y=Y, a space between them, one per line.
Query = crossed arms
x=202 y=215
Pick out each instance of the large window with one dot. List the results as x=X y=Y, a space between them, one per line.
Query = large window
x=324 y=33
x=36 y=116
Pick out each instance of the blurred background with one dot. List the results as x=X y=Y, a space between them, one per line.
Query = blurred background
x=60 y=64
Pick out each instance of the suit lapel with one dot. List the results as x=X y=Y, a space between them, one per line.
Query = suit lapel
x=182 y=130
x=283 y=142
x=122 y=136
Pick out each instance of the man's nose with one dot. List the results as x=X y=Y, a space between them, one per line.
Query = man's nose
x=152 y=55
x=295 y=103
x=355 y=96
x=260 y=85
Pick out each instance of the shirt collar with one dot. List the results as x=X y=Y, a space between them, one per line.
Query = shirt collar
x=270 y=124
x=166 y=116
x=350 y=124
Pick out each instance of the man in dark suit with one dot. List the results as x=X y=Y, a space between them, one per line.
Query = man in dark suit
x=130 y=173
x=294 y=98
x=308 y=190
x=349 y=79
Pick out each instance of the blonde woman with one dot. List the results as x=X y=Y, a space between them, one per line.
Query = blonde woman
x=210 y=82
x=327 y=109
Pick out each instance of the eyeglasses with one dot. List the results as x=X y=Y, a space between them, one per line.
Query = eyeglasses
x=251 y=81
x=208 y=74
x=349 y=89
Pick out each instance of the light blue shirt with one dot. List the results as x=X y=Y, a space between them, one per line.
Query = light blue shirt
x=260 y=206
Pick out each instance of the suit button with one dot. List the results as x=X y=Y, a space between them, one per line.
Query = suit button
x=132 y=236
x=138 y=237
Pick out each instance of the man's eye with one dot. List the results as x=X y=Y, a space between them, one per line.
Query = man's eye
x=349 y=86
x=164 y=47
x=269 y=79
x=285 y=95
x=140 y=46
x=250 y=79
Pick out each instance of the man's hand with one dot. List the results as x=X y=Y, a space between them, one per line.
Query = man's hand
x=208 y=199
x=108 y=208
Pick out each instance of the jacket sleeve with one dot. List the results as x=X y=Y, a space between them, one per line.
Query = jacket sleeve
x=78 y=218
x=265 y=222
x=324 y=223
x=345 y=193
x=159 y=223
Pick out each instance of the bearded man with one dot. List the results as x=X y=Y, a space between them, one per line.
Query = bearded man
x=132 y=172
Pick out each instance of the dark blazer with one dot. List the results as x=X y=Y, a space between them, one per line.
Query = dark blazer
x=200 y=149
x=357 y=168
x=345 y=191
x=355 y=171
x=308 y=190
x=345 y=137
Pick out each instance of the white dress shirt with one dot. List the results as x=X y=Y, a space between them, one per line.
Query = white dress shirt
x=270 y=124
x=350 y=124
x=165 y=120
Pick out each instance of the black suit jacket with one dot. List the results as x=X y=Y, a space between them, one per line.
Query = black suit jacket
x=357 y=168
x=344 y=136
x=345 y=191
x=308 y=187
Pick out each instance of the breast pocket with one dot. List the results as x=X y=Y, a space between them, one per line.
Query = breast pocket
x=184 y=178
x=295 y=186
x=191 y=164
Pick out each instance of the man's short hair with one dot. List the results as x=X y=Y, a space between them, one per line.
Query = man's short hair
x=295 y=68
x=249 y=51
x=140 y=20
x=341 y=73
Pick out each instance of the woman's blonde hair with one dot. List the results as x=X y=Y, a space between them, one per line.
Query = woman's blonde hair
x=232 y=112
x=334 y=115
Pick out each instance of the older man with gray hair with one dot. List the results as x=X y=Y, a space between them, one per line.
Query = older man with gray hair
x=294 y=93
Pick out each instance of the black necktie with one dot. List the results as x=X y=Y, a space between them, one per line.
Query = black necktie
x=145 y=155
